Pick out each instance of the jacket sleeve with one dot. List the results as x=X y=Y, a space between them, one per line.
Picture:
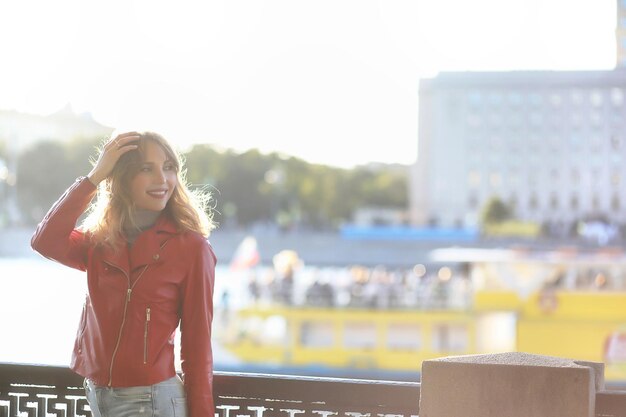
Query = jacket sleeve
x=56 y=237
x=196 y=318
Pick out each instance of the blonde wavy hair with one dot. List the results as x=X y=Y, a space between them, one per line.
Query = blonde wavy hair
x=188 y=209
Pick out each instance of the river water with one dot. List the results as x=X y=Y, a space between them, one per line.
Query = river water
x=41 y=302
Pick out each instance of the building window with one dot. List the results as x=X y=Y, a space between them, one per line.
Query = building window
x=473 y=178
x=533 y=203
x=616 y=158
x=615 y=203
x=617 y=96
x=615 y=178
x=595 y=172
x=595 y=98
x=615 y=142
x=573 y=202
x=577 y=97
x=595 y=203
x=515 y=120
x=596 y=118
x=474 y=120
x=475 y=98
x=554 y=174
x=556 y=100
x=535 y=99
x=595 y=144
x=575 y=143
x=554 y=201
x=515 y=99
x=495 y=119
x=494 y=143
x=536 y=118
x=495 y=179
x=472 y=201
x=555 y=143
x=495 y=99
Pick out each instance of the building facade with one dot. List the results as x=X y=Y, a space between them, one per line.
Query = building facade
x=620 y=34
x=551 y=144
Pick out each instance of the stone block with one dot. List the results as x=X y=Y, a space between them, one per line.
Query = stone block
x=512 y=384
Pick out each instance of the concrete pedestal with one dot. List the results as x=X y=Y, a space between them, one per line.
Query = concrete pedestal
x=511 y=384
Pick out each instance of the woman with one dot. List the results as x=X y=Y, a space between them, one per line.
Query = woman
x=149 y=266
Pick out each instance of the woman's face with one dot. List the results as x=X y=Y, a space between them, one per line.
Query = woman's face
x=153 y=186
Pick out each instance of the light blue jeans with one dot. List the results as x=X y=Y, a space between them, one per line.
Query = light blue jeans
x=165 y=399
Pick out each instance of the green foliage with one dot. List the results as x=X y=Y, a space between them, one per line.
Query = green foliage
x=45 y=171
x=497 y=221
x=495 y=211
x=251 y=187
x=247 y=188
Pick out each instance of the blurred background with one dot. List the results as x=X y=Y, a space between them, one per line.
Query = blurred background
x=393 y=181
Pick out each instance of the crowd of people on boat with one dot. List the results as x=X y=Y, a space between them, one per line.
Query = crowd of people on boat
x=381 y=287
x=362 y=287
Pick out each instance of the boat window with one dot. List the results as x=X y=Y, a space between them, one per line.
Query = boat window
x=450 y=338
x=404 y=336
x=262 y=331
x=496 y=332
x=316 y=334
x=359 y=335
x=275 y=330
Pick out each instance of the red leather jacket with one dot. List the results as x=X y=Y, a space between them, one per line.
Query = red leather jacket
x=136 y=298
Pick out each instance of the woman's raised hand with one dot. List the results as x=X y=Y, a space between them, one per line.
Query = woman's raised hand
x=111 y=153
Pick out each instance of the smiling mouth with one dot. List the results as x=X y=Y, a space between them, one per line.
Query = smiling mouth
x=157 y=193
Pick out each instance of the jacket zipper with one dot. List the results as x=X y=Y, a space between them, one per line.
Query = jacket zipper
x=129 y=292
x=145 y=337
x=82 y=328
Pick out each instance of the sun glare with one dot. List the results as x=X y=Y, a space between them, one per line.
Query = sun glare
x=302 y=78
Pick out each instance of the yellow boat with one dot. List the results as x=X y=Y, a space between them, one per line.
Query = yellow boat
x=560 y=303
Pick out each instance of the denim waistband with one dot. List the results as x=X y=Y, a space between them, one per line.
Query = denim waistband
x=175 y=380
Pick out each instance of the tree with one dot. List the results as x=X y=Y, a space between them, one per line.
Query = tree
x=43 y=173
x=46 y=169
x=246 y=188
x=495 y=211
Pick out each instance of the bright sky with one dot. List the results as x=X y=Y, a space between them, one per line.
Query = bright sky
x=330 y=81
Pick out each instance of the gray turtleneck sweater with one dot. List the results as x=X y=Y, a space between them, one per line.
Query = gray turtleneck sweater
x=144 y=219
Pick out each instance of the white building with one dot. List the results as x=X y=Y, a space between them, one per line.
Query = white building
x=620 y=33
x=552 y=144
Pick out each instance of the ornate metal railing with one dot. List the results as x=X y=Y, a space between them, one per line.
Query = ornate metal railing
x=39 y=391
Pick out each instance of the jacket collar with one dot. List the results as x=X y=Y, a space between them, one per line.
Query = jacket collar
x=146 y=250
